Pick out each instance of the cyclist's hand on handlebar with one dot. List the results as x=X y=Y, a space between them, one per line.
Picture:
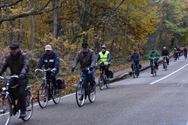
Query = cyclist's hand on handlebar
x=54 y=70
x=91 y=68
x=36 y=71
x=21 y=76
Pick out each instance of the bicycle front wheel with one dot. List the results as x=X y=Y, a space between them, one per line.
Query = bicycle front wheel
x=56 y=95
x=5 y=110
x=92 y=95
x=29 y=106
x=107 y=83
x=42 y=96
x=101 y=83
x=80 y=95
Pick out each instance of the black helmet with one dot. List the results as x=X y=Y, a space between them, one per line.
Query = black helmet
x=14 y=46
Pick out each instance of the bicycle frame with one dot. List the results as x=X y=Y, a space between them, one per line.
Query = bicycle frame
x=165 y=62
x=102 y=70
x=153 y=68
x=85 y=80
x=5 y=90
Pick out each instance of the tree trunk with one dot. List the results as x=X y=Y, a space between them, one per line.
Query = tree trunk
x=32 y=34
x=84 y=11
x=55 y=18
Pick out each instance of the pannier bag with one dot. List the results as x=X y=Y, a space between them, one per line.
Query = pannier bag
x=110 y=74
x=60 y=84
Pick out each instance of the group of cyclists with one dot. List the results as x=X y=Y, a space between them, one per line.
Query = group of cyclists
x=18 y=63
x=154 y=56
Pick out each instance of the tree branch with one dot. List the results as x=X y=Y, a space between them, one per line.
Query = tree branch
x=29 y=13
x=10 y=5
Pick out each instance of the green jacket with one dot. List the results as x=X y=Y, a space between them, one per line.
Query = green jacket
x=154 y=54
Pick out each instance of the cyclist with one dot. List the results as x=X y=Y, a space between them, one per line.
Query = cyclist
x=165 y=52
x=87 y=59
x=185 y=52
x=17 y=62
x=135 y=58
x=175 y=54
x=104 y=56
x=50 y=60
x=154 y=54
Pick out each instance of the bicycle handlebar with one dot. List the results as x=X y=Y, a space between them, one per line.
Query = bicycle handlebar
x=8 y=77
x=44 y=70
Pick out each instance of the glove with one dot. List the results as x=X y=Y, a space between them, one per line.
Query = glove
x=54 y=70
x=22 y=76
x=36 y=70
x=91 y=68
x=73 y=69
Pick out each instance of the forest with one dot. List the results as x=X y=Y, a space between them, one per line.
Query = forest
x=123 y=25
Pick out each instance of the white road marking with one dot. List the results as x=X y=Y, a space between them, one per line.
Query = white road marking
x=168 y=75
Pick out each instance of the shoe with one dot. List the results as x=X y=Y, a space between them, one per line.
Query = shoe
x=81 y=98
x=22 y=115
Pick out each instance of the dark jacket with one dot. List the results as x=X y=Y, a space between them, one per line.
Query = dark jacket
x=49 y=61
x=18 y=64
x=165 y=53
x=86 y=59
x=135 y=57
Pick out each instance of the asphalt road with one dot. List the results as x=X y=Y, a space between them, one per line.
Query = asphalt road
x=147 y=100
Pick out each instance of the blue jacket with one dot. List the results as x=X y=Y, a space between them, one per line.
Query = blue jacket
x=135 y=57
x=49 y=61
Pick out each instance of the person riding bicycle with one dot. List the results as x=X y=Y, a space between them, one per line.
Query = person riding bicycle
x=87 y=59
x=175 y=54
x=17 y=62
x=135 y=58
x=165 y=52
x=104 y=57
x=185 y=52
x=50 y=60
x=154 y=54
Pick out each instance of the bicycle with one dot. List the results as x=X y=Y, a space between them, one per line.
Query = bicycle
x=84 y=89
x=103 y=80
x=165 y=62
x=153 y=67
x=47 y=90
x=8 y=103
x=135 y=70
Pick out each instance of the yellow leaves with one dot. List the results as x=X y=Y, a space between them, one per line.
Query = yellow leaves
x=18 y=10
x=91 y=30
x=69 y=46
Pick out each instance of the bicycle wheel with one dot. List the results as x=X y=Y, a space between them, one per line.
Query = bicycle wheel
x=92 y=95
x=42 y=96
x=56 y=95
x=101 y=83
x=5 y=110
x=29 y=106
x=80 y=95
x=106 y=82
x=154 y=72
